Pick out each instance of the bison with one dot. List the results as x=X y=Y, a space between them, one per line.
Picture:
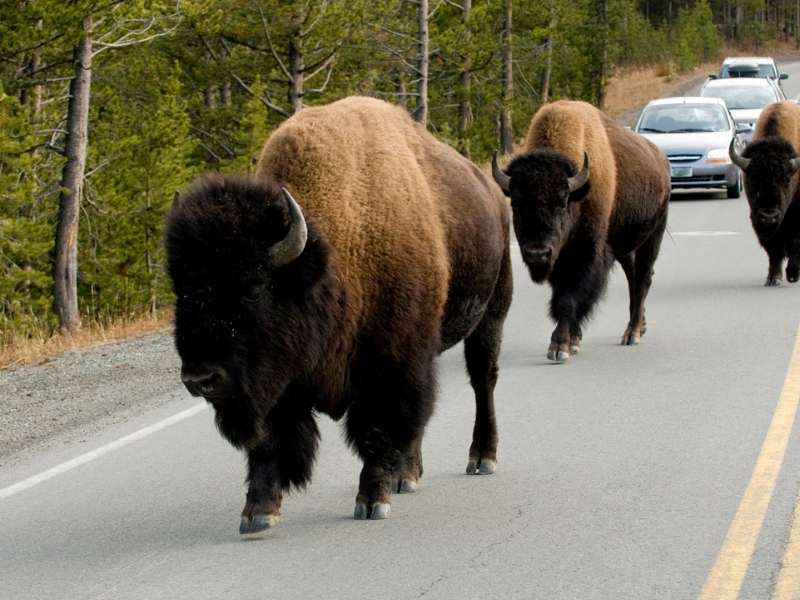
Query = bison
x=329 y=282
x=572 y=221
x=770 y=164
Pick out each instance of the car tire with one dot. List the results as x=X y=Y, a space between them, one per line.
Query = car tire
x=735 y=190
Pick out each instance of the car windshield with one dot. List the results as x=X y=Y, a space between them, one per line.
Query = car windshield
x=744 y=97
x=764 y=70
x=683 y=118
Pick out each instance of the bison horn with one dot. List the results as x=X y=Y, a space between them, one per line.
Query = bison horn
x=291 y=246
x=739 y=160
x=796 y=163
x=579 y=180
x=503 y=180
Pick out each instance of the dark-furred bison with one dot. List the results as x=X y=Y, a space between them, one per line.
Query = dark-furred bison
x=329 y=282
x=572 y=221
x=770 y=164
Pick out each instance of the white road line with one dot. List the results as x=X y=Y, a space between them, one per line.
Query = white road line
x=703 y=233
x=28 y=483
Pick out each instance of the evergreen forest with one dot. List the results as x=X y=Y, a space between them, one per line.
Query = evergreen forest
x=107 y=107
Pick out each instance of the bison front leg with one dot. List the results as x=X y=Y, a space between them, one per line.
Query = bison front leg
x=575 y=293
x=776 y=254
x=386 y=425
x=283 y=459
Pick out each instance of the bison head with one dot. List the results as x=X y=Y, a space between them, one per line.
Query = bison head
x=769 y=166
x=247 y=271
x=546 y=189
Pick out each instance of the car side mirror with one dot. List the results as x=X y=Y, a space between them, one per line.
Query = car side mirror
x=784 y=76
x=743 y=128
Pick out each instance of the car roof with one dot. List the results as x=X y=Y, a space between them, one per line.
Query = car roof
x=739 y=60
x=687 y=100
x=739 y=82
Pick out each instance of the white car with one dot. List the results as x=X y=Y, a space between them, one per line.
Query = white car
x=745 y=98
x=750 y=66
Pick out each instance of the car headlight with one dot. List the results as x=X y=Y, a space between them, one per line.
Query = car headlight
x=718 y=156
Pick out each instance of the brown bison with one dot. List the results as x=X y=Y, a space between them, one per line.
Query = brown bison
x=770 y=164
x=572 y=222
x=329 y=282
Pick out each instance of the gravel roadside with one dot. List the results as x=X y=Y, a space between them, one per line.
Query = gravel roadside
x=70 y=397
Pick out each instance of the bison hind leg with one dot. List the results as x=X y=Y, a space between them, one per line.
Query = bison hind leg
x=481 y=351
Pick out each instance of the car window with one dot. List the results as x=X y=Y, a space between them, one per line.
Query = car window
x=741 y=98
x=764 y=70
x=683 y=118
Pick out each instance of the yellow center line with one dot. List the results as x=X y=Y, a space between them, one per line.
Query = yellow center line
x=730 y=568
x=788 y=584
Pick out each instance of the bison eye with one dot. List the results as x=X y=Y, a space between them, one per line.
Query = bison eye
x=253 y=293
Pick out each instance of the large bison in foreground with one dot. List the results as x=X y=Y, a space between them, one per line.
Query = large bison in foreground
x=329 y=282
x=771 y=165
x=572 y=221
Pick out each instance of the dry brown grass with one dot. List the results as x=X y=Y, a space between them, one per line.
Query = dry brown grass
x=27 y=350
x=633 y=88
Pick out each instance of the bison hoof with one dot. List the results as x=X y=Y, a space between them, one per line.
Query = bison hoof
x=485 y=466
x=404 y=486
x=558 y=356
x=407 y=486
x=772 y=282
x=630 y=339
x=792 y=273
x=250 y=526
x=573 y=350
x=379 y=510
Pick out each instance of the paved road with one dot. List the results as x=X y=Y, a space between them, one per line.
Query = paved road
x=620 y=472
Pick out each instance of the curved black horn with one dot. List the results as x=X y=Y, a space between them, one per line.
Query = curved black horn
x=290 y=247
x=503 y=180
x=739 y=160
x=579 y=180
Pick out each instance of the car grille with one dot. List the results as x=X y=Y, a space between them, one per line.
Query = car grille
x=684 y=158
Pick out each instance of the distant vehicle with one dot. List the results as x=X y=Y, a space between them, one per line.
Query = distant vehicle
x=750 y=66
x=695 y=134
x=745 y=98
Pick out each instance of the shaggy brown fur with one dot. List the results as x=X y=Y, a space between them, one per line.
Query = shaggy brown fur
x=773 y=188
x=407 y=254
x=571 y=239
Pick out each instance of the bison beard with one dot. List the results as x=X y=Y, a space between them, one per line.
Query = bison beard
x=334 y=329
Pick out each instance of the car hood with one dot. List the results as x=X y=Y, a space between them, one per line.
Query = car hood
x=689 y=143
x=749 y=115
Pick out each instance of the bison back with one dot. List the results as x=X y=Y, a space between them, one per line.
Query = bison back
x=379 y=187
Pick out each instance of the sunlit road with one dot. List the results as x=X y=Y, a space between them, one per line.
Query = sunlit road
x=619 y=475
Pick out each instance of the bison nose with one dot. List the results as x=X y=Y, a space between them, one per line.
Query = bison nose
x=769 y=216
x=536 y=254
x=203 y=381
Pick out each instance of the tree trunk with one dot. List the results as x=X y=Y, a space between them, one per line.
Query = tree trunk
x=208 y=96
x=66 y=260
x=421 y=112
x=548 y=64
x=465 y=104
x=225 y=92
x=603 y=79
x=506 y=124
x=797 y=24
x=296 y=70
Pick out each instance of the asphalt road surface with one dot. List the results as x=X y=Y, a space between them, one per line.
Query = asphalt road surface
x=641 y=472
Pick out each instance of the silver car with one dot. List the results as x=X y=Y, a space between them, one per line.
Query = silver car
x=746 y=98
x=695 y=134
